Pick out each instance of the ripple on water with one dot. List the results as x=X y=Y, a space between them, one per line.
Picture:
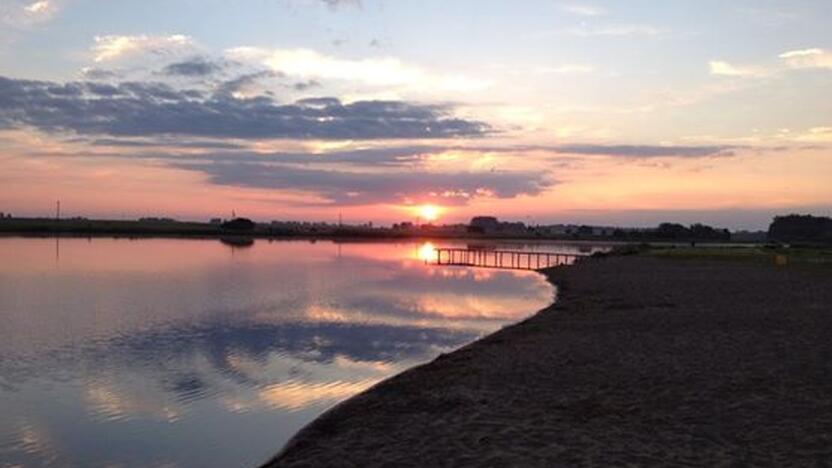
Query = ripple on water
x=24 y=443
x=121 y=356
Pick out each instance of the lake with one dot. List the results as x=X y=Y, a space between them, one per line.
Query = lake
x=201 y=353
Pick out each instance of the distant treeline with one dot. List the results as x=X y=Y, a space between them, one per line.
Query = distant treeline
x=793 y=229
x=695 y=231
x=801 y=229
x=676 y=232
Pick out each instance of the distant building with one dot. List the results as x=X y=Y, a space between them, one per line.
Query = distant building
x=582 y=230
x=216 y=221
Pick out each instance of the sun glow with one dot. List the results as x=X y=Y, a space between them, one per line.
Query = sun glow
x=429 y=212
x=426 y=252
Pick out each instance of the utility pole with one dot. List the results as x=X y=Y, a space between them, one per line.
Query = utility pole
x=58 y=210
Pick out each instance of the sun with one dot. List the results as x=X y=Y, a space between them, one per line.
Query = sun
x=429 y=212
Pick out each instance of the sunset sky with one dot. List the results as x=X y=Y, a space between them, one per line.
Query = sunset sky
x=603 y=112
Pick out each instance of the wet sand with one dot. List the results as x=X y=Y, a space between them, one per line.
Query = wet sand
x=640 y=361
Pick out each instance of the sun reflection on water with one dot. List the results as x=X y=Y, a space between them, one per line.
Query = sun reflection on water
x=426 y=252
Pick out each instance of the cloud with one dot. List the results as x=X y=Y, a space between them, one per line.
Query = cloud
x=646 y=151
x=306 y=85
x=113 y=47
x=366 y=187
x=93 y=73
x=144 y=109
x=815 y=135
x=354 y=177
x=167 y=143
x=19 y=14
x=193 y=67
x=584 y=10
x=808 y=58
x=392 y=156
x=335 y=4
x=42 y=7
x=243 y=86
x=721 y=68
x=392 y=174
x=614 y=30
x=375 y=71
x=568 y=69
x=626 y=151
x=814 y=58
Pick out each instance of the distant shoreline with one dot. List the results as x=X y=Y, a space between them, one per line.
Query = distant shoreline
x=48 y=227
x=42 y=227
x=641 y=360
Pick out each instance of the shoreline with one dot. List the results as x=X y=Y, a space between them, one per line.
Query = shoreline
x=81 y=227
x=638 y=361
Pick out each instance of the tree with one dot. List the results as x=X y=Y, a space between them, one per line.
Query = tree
x=239 y=224
x=672 y=231
x=795 y=227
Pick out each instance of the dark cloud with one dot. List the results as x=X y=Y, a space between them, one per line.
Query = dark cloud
x=369 y=157
x=366 y=187
x=148 y=109
x=646 y=151
x=398 y=156
x=100 y=74
x=246 y=83
x=305 y=85
x=401 y=156
x=349 y=177
x=624 y=151
x=114 y=142
x=193 y=67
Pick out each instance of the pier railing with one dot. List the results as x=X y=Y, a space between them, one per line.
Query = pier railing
x=505 y=259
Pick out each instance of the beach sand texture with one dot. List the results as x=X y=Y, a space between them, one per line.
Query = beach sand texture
x=641 y=361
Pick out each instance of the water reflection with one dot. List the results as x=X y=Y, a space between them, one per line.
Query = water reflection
x=426 y=252
x=237 y=242
x=151 y=352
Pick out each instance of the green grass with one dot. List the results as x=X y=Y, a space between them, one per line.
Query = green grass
x=780 y=256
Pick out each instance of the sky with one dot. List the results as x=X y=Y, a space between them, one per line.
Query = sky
x=544 y=111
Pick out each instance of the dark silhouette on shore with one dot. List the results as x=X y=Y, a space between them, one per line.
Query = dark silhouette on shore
x=785 y=229
x=801 y=228
x=239 y=224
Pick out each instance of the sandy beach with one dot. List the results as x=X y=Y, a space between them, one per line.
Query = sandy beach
x=640 y=361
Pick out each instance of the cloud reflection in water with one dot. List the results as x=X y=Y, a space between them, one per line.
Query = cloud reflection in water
x=116 y=347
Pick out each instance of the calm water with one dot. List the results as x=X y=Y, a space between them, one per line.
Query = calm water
x=166 y=352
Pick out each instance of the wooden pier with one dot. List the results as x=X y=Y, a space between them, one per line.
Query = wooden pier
x=504 y=259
